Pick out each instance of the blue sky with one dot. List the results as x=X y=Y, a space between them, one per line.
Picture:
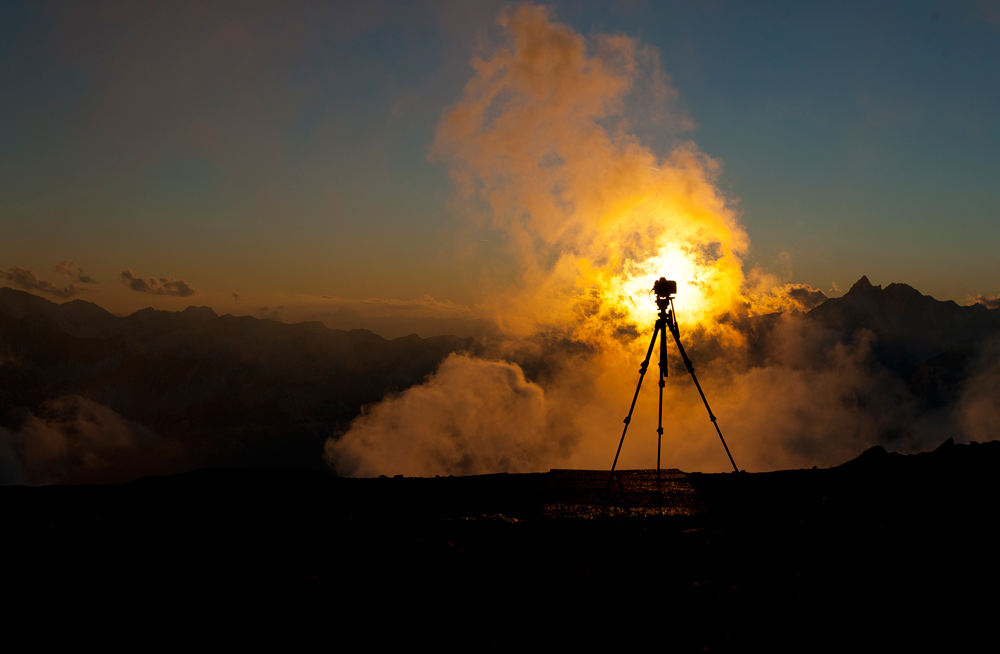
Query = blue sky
x=279 y=149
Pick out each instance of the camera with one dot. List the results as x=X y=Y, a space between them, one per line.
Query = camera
x=664 y=288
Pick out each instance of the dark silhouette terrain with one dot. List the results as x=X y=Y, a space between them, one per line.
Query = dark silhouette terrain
x=911 y=328
x=884 y=553
x=934 y=345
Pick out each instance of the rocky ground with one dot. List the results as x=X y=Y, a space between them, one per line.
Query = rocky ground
x=881 y=552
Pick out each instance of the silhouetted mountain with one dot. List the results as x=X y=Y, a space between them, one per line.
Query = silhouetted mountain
x=910 y=328
x=398 y=325
x=211 y=390
x=934 y=346
x=77 y=317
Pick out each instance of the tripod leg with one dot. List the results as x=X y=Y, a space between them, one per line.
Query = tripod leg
x=642 y=373
x=690 y=366
x=663 y=373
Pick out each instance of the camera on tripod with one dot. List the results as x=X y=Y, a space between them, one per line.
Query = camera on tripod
x=665 y=289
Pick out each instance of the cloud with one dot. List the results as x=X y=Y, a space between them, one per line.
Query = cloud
x=988 y=302
x=237 y=297
x=803 y=399
x=541 y=147
x=472 y=416
x=805 y=295
x=72 y=269
x=765 y=294
x=163 y=286
x=266 y=313
x=978 y=409
x=73 y=439
x=29 y=281
x=809 y=399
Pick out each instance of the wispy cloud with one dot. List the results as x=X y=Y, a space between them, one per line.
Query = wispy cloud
x=805 y=295
x=989 y=302
x=153 y=286
x=73 y=269
x=29 y=281
x=72 y=439
x=265 y=313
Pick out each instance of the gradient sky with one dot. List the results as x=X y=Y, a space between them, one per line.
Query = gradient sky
x=280 y=150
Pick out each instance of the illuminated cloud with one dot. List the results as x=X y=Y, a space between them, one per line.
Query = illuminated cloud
x=805 y=295
x=540 y=147
x=72 y=269
x=767 y=293
x=988 y=302
x=162 y=286
x=29 y=281
x=471 y=417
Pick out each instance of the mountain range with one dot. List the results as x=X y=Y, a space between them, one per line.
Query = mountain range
x=209 y=389
x=86 y=395
x=933 y=345
x=911 y=328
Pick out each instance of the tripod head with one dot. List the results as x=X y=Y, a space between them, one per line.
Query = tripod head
x=665 y=290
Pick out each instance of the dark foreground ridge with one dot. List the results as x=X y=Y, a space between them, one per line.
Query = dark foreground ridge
x=881 y=552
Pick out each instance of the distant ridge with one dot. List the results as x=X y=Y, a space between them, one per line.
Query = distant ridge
x=910 y=327
x=393 y=326
x=212 y=390
x=77 y=317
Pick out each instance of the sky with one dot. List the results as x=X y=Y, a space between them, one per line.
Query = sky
x=250 y=154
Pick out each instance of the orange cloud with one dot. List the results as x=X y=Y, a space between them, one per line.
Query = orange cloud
x=988 y=302
x=539 y=146
x=72 y=269
x=163 y=286
x=29 y=281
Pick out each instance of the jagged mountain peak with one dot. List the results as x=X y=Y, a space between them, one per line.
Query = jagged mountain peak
x=862 y=285
x=910 y=327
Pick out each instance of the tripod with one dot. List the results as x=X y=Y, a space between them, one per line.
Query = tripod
x=666 y=319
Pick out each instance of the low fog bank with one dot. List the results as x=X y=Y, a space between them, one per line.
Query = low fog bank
x=75 y=438
x=877 y=366
x=87 y=396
